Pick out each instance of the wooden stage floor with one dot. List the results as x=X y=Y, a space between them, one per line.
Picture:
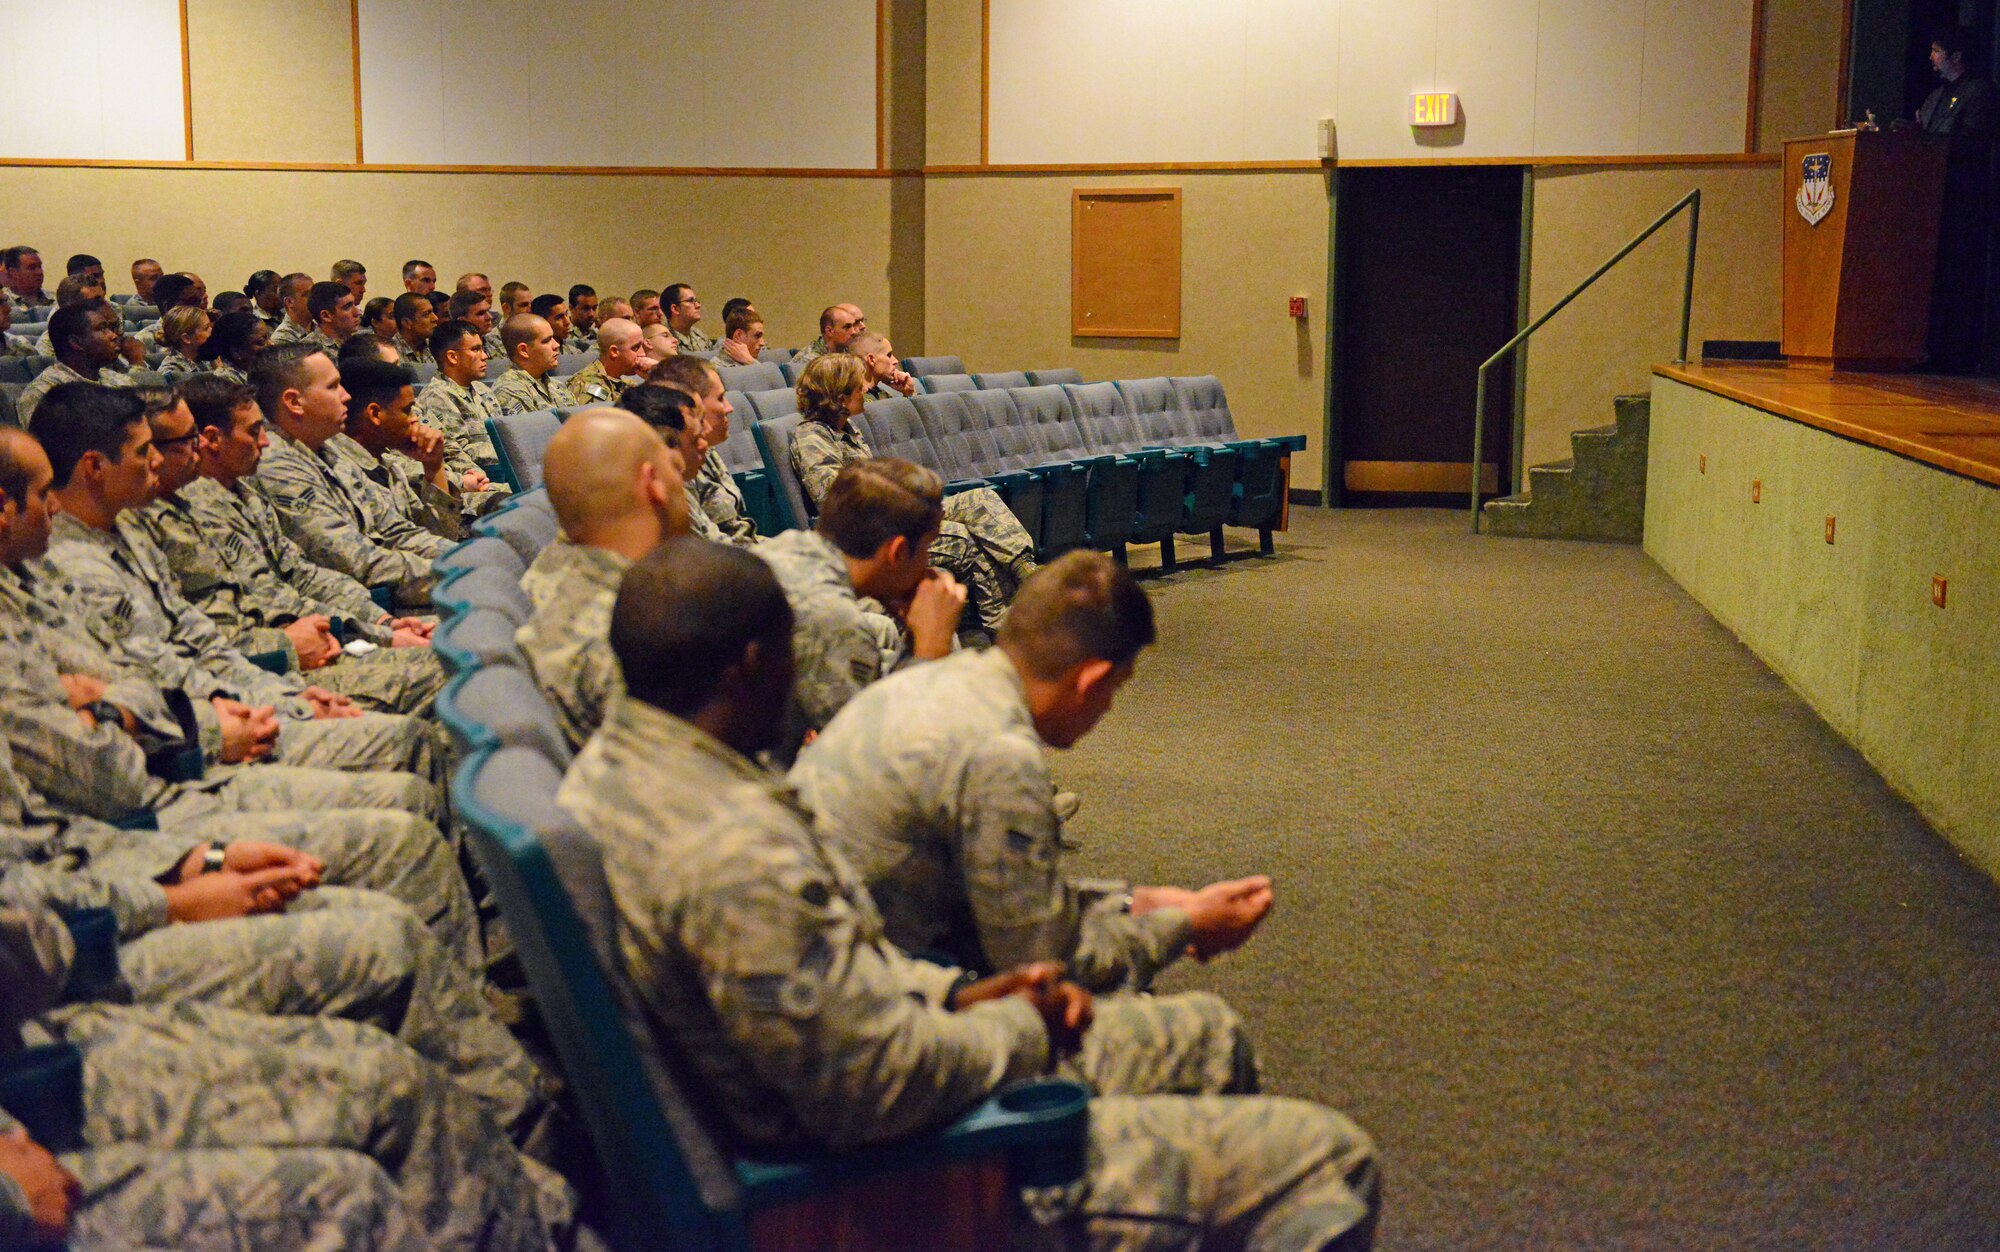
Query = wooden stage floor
x=1952 y=423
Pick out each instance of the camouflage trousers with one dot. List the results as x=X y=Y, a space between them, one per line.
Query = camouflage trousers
x=263 y=787
x=1141 y=1044
x=353 y=955
x=201 y=1077
x=1179 y=1173
x=983 y=545
x=138 y=1199
x=373 y=741
x=387 y=680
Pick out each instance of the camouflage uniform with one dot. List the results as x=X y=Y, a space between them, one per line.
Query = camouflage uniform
x=700 y=524
x=53 y=377
x=568 y=639
x=838 y=647
x=590 y=386
x=341 y=520
x=120 y=590
x=12 y=344
x=288 y=331
x=231 y=558
x=459 y=414
x=981 y=542
x=812 y=351
x=26 y=304
x=325 y=343
x=691 y=340
x=496 y=349
x=400 y=480
x=176 y=364
x=224 y=370
x=518 y=391
x=757 y=949
x=412 y=353
x=580 y=340
x=721 y=499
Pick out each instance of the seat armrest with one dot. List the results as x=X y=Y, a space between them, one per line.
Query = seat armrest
x=957 y=485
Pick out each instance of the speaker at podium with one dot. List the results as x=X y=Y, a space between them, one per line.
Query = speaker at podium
x=1861 y=234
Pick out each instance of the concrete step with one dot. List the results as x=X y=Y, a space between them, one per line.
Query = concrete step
x=1598 y=493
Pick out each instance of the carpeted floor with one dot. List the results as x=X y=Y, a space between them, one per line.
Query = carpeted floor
x=1602 y=933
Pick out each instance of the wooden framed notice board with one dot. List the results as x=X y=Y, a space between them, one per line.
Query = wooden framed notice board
x=1125 y=263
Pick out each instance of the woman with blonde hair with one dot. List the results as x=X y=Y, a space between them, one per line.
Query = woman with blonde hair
x=184 y=329
x=982 y=543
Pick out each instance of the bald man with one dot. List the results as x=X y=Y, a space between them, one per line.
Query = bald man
x=838 y=325
x=533 y=350
x=621 y=362
x=617 y=493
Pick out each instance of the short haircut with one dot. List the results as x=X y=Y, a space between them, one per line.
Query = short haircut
x=732 y=304
x=72 y=322
x=644 y=293
x=408 y=306
x=280 y=369
x=686 y=612
x=376 y=307
x=75 y=419
x=231 y=335
x=171 y=289
x=578 y=290
x=214 y=399
x=14 y=466
x=10 y=258
x=293 y=284
x=874 y=501
x=826 y=317
x=146 y=260
x=228 y=302
x=860 y=345
x=371 y=380
x=825 y=384
x=410 y=268
x=1082 y=606
x=178 y=324
x=344 y=270
x=509 y=290
x=153 y=401
x=742 y=319
x=690 y=373
x=440 y=302
x=82 y=261
x=256 y=282
x=449 y=334
x=518 y=330
x=675 y=293
x=661 y=406
x=464 y=302
x=467 y=277
x=363 y=343
x=324 y=297
x=71 y=289
x=545 y=304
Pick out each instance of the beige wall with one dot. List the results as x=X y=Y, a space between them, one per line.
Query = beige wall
x=953 y=91
x=998 y=289
x=1801 y=70
x=271 y=82
x=1607 y=342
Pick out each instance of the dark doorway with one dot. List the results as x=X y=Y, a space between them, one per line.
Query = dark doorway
x=1427 y=262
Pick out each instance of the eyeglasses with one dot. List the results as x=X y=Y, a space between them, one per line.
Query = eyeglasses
x=161 y=445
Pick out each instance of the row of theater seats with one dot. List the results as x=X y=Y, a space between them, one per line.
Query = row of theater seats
x=666 y=1177
x=1082 y=465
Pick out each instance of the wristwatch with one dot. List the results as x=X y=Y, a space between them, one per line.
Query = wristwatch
x=106 y=713
x=212 y=861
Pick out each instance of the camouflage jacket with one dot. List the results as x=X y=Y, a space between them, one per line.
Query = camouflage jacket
x=692 y=340
x=756 y=948
x=55 y=376
x=459 y=414
x=819 y=453
x=412 y=353
x=722 y=500
x=402 y=482
x=935 y=783
x=177 y=365
x=568 y=639
x=288 y=331
x=341 y=520
x=518 y=391
x=838 y=647
x=589 y=386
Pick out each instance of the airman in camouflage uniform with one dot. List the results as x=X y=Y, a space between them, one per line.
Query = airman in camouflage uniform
x=176 y=364
x=691 y=340
x=343 y=521
x=55 y=376
x=591 y=385
x=402 y=482
x=758 y=952
x=722 y=500
x=982 y=543
x=518 y=391
x=224 y=370
x=289 y=331
x=234 y=563
x=459 y=414
x=567 y=640
x=838 y=645
x=198 y=1078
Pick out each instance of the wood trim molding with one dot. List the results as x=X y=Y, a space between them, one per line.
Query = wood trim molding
x=1750 y=115
x=353 y=167
x=985 y=82
x=187 y=87
x=354 y=37
x=1132 y=167
x=1544 y=162
x=881 y=84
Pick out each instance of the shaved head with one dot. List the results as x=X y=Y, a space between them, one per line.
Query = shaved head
x=618 y=332
x=594 y=469
x=20 y=453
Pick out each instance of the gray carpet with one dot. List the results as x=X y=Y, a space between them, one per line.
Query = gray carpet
x=1593 y=923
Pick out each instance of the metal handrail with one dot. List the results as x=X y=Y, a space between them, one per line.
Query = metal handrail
x=1692 y=203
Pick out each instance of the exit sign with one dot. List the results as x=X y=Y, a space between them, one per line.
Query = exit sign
x=1434 y=108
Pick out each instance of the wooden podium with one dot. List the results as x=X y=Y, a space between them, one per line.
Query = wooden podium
x=1858 y=282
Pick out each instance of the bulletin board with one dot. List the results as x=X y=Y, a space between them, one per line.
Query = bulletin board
x=1125 y=263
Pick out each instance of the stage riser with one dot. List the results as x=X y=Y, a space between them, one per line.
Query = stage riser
x=1850 y=625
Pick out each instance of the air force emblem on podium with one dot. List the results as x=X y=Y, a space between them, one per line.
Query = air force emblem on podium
x=1815 y=198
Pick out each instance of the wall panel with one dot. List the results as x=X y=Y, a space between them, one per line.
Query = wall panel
x=1680 y=99
x=93 y=80
x=1486 y=53
x=1588 y=55
x=250 y=104
x=1387 y=50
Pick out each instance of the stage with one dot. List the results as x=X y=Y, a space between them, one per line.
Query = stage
x=1846 y=526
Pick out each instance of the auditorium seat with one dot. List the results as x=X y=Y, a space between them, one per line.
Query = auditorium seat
x=965 y=433
x=480 y=550
x=10 y=395
x=924 y=366
x=1107 y=426
x=1054 y=378
x=763 y=376
x=1111 y=483
x=468 y=639
x=19 y=369
x=1001 y=381
x=526 y=531
x=1211 y=467
x=571 y=362
x=776 y=356
x=424 y=371
x=791 y=371
x=483 y=587
x=775 y=403
x=138 y=314
x=774 y=438
x=496 y=366
x=1261 y=478
x=522 y=440
x=496 y=703
x=931 y=383
x=740 y=455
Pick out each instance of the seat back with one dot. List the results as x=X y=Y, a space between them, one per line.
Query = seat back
x=527 y=531
x=776 y=356
x=662 y=1170
x=1204 y=409
x=1000 y=381
x=496 y=367
x=471 y=638
x=481 y=549
x=522 y=440
x=424 y=371
x=739 y=452
x=498 y=703
x=763 y=376
x=1054 y=378
x=136 y=314
x=1101 y=415
x=947 y=382
x=957 y=434
x=14 y=369
x=571 y=362
x=790 y=370
x=1154 y=411
x=893 y=428
x=925 y=366
x=484 y=587
x=778 y=402
x=774 y=437
x=1047 y=410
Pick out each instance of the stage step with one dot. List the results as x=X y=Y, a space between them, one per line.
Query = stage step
x=1598 y=493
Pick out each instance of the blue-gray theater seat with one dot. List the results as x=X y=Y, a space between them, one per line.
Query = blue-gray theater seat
x=483 y=587
x=1002 y=380
x=1211 y=468
x=1054 y=378
x=932 y=383
x=740 y=455
x=1111 y=482
x=924 y=366
x=776 y=356
x=527 y=531
x=17 y=369
x=763 y=376
x=522 y=440
x=466 y=640
x=774 y=437
x=138 y=314
x=498 y=703
x=497 y=366
x=572 y=362
x=1263 y=465
x=790 y=371
x=424 y=371
x=1107 y=426
x=965 y=434
x=779 y=402
x=490 y=550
